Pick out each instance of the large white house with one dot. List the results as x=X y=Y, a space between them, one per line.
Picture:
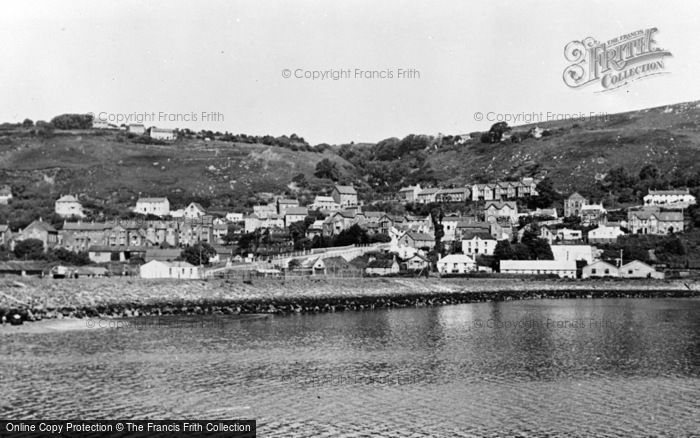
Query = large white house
x=669 y=198
x=194 y=211
x=68 y=206
x=154 y=206
x=605 y=234
x=561 y=268
x=163 y=269
x=456 y=264
x=479 y=244
x=573 y=253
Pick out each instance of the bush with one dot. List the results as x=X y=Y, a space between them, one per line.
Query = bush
x=29 y=249
x=72 y=121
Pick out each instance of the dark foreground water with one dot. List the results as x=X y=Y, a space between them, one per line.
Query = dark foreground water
x=522 y=368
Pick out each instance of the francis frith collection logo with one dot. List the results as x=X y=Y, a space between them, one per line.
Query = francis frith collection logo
x=616 y=62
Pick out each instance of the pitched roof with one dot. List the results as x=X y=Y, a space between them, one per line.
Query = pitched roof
x=499 y=205
x=429 y=191
x=289 y=201
x=151 y=200
x=648 y=212
x=346 y=190
x=162 y=254
x=419 y=236
x=296 y=211
x=105 y=248
x=669 y=192
x=456 y=258
x=38 y=223
x=575 y=195
x=86 y=226
x=197 y=205
x=550 y=265
x=481 y=234
x=381 y=263
x=67 y=198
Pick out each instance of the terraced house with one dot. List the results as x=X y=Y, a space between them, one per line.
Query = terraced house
x=654 y=220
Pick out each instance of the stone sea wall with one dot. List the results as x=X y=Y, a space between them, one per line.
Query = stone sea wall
x=34 y=298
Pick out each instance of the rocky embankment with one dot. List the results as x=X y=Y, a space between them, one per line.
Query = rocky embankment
x=27 y=299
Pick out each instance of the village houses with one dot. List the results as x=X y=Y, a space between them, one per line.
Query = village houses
x=501 y=209
x=654 y=220
x=40 y=230
x=669 y=198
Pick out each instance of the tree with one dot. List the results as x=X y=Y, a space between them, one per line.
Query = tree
x=649 y=172
x=198 y=254
x=29 y=249
x=70 y=257
x=327 y=169
x=436 y=215
x=546 y=195
x=27 y=123
x=300 y=180
x=496 y=132
x=72 y=121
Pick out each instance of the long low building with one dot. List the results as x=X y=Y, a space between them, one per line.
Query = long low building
x=562 y=268
x=162 y=269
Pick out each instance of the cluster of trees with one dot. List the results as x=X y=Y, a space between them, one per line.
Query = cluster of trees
x=292 y=142
x=198 y=254
x=72 y=121
x=630 y=188
x=497 y=131
x=355 y=235
x=393 y=163
x=636 y=247
x=531 y=247
x=33 y=249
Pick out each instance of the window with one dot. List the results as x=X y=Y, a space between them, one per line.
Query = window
x=593 y=271
x=607 y=271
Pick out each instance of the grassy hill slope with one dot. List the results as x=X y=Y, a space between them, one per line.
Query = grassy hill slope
x=577 y=152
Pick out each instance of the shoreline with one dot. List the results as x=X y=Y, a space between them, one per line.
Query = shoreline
x=49 y=299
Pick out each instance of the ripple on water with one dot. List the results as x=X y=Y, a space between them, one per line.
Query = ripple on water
x=411 y=372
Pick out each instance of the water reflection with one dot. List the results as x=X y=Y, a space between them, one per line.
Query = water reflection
x=563 y=367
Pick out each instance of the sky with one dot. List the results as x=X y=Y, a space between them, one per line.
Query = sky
x=176 y=60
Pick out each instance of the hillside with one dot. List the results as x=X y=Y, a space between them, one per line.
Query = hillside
x=577 y=152
x=109 y=171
